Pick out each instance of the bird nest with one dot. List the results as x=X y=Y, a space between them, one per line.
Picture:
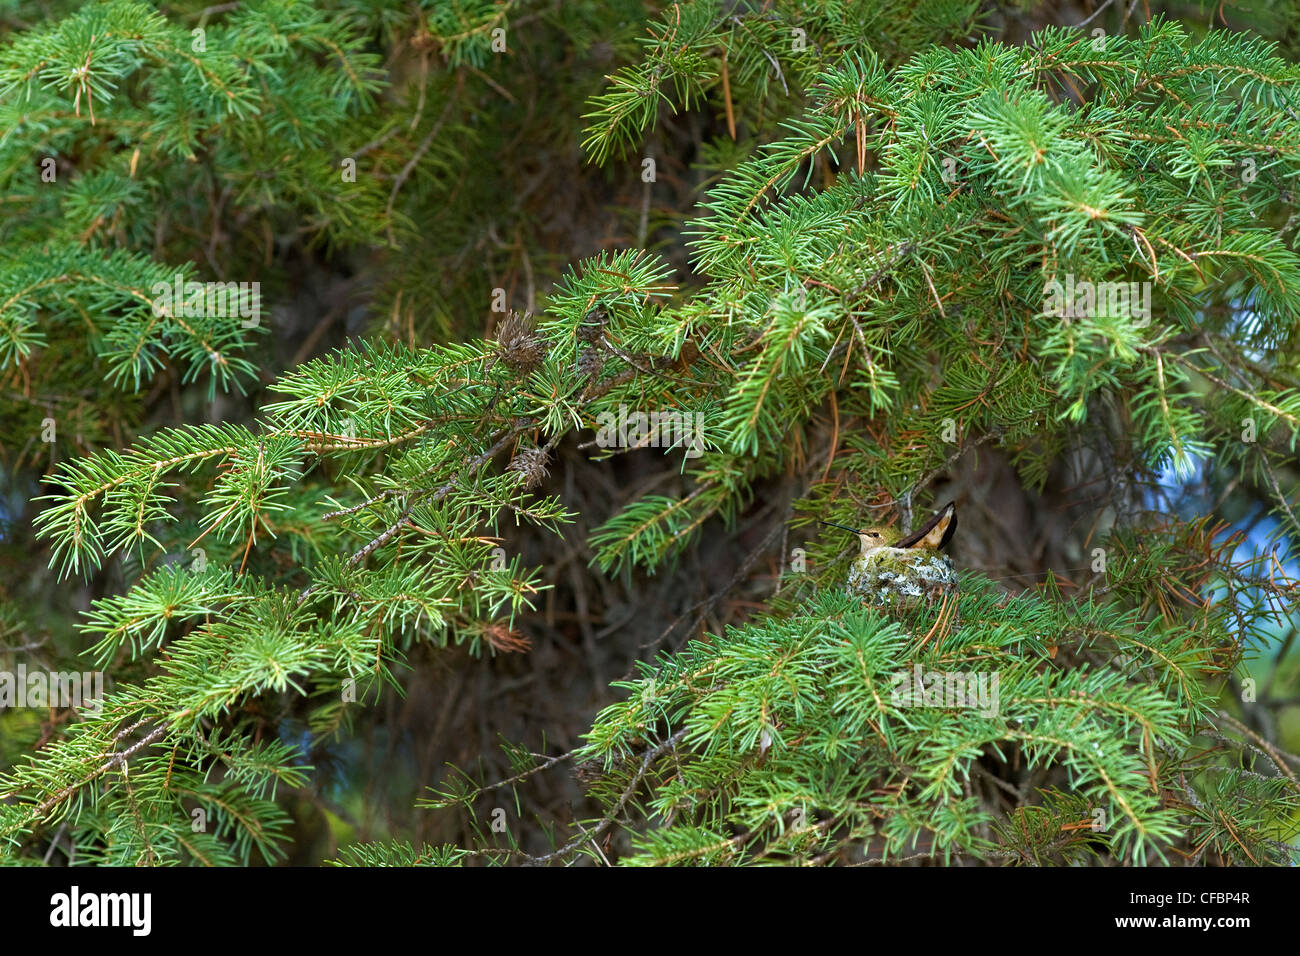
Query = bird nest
x=902 y=578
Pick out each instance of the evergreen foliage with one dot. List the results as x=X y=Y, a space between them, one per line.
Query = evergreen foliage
x=867 y=304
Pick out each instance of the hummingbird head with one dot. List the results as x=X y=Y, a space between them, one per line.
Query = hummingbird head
x=872 y=539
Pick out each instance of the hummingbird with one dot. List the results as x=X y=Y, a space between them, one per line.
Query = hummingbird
x=896 y=569
x=934 y=535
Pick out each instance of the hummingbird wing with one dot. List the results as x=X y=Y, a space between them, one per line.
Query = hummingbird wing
x=935 y=533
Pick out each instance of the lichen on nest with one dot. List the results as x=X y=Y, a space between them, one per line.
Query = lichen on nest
x=902 y=578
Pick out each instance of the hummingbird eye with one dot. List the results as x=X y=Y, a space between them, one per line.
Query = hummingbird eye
x=872 y=534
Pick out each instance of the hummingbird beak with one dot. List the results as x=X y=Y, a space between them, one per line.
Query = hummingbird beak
x=842 y=527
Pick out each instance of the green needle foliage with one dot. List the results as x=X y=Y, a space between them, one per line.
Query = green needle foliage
x=866 y=299
x=792 y=741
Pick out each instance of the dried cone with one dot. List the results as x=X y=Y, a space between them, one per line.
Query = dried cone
x=519 y=345
x=590 y=363
x=531 y=463
x=592 y=326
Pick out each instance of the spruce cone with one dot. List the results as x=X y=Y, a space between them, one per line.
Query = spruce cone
x=531 y=463
x=592 y=326
x=590 y=362
x=519 y=345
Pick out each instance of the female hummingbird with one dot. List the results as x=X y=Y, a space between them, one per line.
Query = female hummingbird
x=933 y=535
x=897 y=570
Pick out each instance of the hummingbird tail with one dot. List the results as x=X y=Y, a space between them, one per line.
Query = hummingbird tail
x=935 y=533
